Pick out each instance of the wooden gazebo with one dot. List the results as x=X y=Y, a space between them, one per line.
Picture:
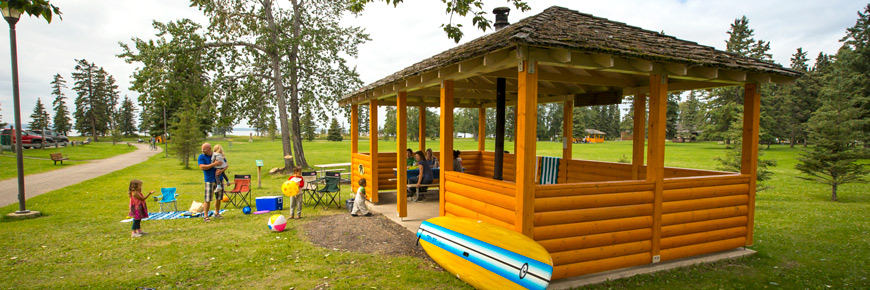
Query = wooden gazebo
x=600 y=215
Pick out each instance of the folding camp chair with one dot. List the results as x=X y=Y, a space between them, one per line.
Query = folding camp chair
x=310 y=179
x=329 y=193
x=167 y=199
x=240 y=195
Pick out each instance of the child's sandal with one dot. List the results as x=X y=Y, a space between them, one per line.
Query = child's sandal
x=206 y=219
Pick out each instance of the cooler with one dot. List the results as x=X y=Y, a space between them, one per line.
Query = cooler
x=270 y=203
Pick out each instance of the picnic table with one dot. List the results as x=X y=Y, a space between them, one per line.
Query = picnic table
x=334 y=167
x=416 y=172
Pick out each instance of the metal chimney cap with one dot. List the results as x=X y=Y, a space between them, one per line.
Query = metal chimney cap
x=501 y=17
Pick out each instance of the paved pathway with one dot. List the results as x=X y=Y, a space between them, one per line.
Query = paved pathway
x=36 y=184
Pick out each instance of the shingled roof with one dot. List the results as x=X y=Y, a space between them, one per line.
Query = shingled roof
x=562 y=28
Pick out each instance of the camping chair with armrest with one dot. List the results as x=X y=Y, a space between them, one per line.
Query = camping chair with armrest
x=310 y=179
x=167 y=199
x=240 y=195
x=329 y=193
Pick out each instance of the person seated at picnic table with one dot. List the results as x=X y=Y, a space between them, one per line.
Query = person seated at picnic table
x=411 y=161
x=430 y=157
x=425 y=176
x=457 y=162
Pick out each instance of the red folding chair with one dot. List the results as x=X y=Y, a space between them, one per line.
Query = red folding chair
x=240 y=195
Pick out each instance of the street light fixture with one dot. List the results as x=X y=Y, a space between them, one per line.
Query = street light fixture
x=11 y=15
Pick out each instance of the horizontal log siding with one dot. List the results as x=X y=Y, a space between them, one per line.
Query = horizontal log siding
x=703 y=214
x=386 y=163
x=598 y=226
x=594 y=227
x=356 y=160
x=487 y=165
x=480 y=198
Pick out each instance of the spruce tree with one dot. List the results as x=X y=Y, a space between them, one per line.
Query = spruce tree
x=127 y=118
x=334 y=131
x=186 y=134
x=62 y=119
x=40 y=118
x=308 y=126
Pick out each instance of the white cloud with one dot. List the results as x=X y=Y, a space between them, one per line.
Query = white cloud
x=401 y=36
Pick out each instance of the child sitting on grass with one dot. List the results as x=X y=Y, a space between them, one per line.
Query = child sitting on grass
x=296 y=200
x=138 y=207
x=359 y=202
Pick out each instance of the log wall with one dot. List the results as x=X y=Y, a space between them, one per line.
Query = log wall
x=578 y=171
x=365 y=160
x=481 y=198
x=487 y=165
x=598 y=226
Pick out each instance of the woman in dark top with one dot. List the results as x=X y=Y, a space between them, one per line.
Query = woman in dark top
x=425 y=176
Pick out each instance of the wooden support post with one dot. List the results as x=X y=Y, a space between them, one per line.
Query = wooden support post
x=527 y=120
x=655 y=164
x=401 y=156
x=500 y=113
x=516 y=119
x=568 y=130
x=354 y=137
x=481 y=129
x=373 y=148
x=422 y=135
x=446 y=143
x=638 y=134
x=749 y=156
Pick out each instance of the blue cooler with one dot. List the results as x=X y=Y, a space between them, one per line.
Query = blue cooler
x=271 y=203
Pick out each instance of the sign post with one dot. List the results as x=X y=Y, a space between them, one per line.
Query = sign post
x=259 y=166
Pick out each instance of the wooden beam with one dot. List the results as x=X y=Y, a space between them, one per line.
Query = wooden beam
x=598 y=98
x=642 y=65
x=738 y=76
x=470 y=65
x=497 y=57
x=527 y=109
x=604 y=60
x=422 y=125
x=749 y=157
x=481 y=129
x=401 y=144
x=703 y=73
x=448 y=71
x=354 y=128
x=373 y=148
x=446 y=143
x=567 y=130
x=758 y=78
x=570 y=78
x=676 y=69
x=560 y=55
x=658 y=100
x=638 y=134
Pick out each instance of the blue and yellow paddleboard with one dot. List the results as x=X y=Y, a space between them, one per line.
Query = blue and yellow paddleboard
x=484 y=255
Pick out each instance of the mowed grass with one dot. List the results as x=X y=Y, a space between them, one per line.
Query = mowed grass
x=76 y=154
x=803 y=240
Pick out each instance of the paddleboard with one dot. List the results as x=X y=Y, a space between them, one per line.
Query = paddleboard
x=484 y=255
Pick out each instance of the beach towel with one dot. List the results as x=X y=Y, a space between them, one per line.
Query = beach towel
x=549 y=168
x=171 y=215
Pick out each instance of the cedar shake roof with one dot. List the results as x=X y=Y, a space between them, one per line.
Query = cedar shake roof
x=566 y=29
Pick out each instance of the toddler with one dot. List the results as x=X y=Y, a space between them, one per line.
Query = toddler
x=359 y=201
x=218 y=154
x=296 y=200
x=138 y=206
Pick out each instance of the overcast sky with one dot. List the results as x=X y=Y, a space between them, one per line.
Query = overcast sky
x=91 y=29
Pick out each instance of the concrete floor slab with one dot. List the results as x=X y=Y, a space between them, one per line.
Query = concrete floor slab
x=417 y=211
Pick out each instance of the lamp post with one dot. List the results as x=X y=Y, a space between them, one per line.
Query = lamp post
x=11 y=15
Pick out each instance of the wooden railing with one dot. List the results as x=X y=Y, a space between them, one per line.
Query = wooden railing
x=480 y=198
x=487 y=165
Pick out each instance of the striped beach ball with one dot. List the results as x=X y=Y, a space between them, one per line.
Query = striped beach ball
x=277 y=223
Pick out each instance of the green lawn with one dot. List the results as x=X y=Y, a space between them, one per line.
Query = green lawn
x=76 y=154
x=803 y=240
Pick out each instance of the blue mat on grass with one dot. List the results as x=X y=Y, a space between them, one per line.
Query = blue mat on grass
x=171 y=215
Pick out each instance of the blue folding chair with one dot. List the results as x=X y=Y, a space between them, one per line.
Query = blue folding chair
x=167 y=199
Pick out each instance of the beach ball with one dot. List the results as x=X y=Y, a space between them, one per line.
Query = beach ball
x=277 y=223
x=246 y=210
x=290 y=188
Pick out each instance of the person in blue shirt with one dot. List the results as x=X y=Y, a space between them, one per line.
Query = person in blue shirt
x=208 y=171
x=425 y=177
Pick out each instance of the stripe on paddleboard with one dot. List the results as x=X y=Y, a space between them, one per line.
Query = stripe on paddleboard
x=524 y=271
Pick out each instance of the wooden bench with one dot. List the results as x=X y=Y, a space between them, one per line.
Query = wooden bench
x=58 y=157
x=435 y=185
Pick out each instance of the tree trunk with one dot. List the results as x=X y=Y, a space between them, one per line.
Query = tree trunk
x=294 y=86
x=834 y=192
x=277 y=77
x=791 y=140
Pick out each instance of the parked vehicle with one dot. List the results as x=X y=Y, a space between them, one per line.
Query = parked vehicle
x=29 y=139
x=60 y=139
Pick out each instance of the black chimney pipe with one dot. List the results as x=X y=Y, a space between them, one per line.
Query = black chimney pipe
x=501 y=17
x=500 y=104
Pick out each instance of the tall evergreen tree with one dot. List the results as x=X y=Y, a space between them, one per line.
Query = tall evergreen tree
x=127 y=118
x=334 y=133
x=309 y=127
x=691 y=115
x=853 y=64
x=96 y=101
x=186 y=135
x=40 y=119
x=672 y=115
x=62 y=119
x=800 y=100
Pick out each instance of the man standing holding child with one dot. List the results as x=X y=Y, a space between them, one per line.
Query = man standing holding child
x=208 y=170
